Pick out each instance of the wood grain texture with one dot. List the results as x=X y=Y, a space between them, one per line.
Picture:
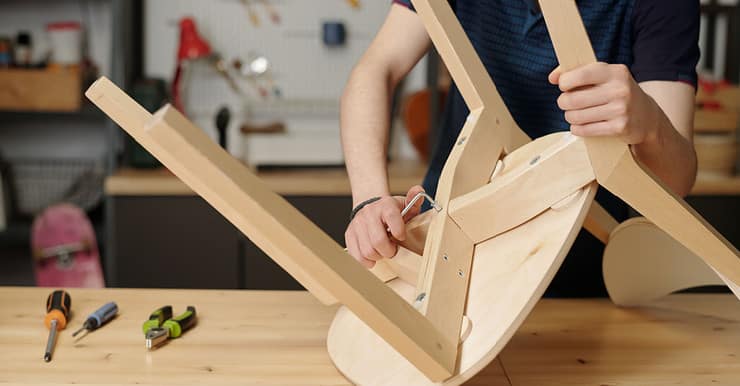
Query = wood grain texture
x=442 y=285
x=517 y=189
x=279 y=338
x=133 y=118
x=508 y=276
x=678 y=340
x=643 y=263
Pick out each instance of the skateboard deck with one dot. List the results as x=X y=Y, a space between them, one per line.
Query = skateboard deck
x=65 y=249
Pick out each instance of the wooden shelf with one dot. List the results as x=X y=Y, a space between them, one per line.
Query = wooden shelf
x=293 y=182
x=49 y=90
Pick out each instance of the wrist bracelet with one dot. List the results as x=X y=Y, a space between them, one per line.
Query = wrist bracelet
x=360 y=206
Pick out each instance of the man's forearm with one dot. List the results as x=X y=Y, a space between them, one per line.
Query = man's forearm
x=365 y=121
x=669 y=155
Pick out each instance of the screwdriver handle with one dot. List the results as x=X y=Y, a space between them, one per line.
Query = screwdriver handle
x=157 y=318
x=181 y=323
x=102 y=315
x=58 y=305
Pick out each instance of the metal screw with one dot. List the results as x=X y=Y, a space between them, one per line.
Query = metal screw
x=461 y=141
x=460 y=273
x=421 y=297
x=534 y=160
x=444 y=257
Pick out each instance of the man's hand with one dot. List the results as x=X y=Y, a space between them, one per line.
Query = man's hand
x=655 y=117
x=602 y=99
x=367 y=236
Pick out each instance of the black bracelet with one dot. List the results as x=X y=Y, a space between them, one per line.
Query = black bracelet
x=360 y=206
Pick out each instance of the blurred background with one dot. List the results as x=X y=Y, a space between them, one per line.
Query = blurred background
x=83 y=205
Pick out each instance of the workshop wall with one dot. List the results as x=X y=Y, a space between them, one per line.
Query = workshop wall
x=309 y=74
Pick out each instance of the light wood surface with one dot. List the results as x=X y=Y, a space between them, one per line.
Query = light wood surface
x=508 y=277
x=279 y=229
x=279 y=338
x=57 y=89
x=516 y=190
x=643 y=263
x=132 y=117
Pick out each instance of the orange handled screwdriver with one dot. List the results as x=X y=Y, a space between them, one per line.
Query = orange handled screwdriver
x=57 y=310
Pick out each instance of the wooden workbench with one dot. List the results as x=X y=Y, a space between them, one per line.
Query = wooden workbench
x=278 y=338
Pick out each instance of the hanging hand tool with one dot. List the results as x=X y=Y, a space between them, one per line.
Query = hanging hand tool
x=58 y=305
x=170 y=329
x=99 y=317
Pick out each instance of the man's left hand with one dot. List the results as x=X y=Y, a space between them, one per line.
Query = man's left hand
x=601 y=99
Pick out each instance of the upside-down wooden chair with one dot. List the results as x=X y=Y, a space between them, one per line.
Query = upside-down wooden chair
x=469 y=272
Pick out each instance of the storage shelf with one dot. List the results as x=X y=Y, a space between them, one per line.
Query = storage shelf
x=50 y=90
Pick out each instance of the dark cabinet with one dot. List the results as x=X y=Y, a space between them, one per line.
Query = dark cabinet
x=182 y=242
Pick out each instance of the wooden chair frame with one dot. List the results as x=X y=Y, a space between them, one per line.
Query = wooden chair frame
x=427 y=333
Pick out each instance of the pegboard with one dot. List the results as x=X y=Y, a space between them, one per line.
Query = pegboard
x=303 y=67
x=310 y=75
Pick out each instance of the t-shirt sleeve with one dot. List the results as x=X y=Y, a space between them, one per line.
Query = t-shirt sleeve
x=666 y=40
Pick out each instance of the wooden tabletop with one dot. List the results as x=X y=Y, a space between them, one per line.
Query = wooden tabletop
x=328 y=182
x=278 y=338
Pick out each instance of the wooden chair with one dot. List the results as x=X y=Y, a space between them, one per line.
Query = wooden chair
x=468 y=274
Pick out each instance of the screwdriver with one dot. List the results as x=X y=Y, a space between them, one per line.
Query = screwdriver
x=99 y=317
x=58 y=305
x=171 y=328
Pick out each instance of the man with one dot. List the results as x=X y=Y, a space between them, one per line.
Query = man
x=644 y=96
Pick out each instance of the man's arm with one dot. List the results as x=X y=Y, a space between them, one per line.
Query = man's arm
x=365 y=121
x=671 y=156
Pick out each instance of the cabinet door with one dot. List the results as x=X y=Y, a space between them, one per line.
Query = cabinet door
x=173 y=242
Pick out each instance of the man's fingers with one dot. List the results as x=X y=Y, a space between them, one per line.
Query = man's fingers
x=590 y=74
x=366 y=247
x=354 y=250
x=395 y=224
x=583 y=98
x=416 y=189
x=593 y=114
x=380 y=241
x=554 y=76
x=596 y=129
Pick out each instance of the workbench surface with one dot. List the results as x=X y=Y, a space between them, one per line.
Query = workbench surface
x=278 y=338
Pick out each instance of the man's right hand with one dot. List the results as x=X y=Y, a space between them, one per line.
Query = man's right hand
x=373 y=232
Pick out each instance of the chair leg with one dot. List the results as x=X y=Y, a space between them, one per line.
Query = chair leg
x=639 y=188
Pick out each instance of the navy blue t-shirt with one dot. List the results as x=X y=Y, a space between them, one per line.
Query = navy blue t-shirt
x=656 y=39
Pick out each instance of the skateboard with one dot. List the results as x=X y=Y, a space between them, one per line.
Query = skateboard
x=65 y=250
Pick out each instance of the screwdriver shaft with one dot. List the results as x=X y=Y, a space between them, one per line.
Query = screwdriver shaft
x=79 y=331
x=51 y=341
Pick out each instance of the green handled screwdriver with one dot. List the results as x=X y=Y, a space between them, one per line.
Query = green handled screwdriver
x=58 y=305
x=98 y=318
x=171 y=328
